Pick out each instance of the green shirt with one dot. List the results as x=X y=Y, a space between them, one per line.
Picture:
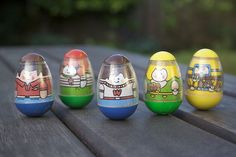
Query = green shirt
x=154 y=91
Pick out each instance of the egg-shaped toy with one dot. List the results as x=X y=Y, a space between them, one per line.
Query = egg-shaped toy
x=33 y=93
x=204 y=80
x=117 y=88
x=76 y=79
x=163 y=84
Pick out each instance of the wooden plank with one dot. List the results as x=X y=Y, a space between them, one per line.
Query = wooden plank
x=142 y=134
x=10 y=60
x=24 y=136
x=219 y=121
x=95 y=142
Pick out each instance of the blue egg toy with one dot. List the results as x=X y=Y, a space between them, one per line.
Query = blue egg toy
x=33 y=93
x=117 y=88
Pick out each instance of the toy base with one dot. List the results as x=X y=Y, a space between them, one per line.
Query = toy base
x=203 y=100
x=34 y=109
x=76 y=102
x=118 y=113
x=203 y=103
x=163 y=108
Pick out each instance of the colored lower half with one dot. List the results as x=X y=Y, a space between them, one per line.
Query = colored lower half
x=118 y=109
x=88 y=90
x=203 y=100
x=163 y=108
x=34 y=109
x=118 y=113
x=76 y=102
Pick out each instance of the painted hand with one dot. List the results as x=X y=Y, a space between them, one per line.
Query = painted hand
x=43 y=94
x=83 y=84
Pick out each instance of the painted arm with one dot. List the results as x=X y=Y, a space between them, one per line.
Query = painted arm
x=134 y=89
x=83 y=81
x=43 y=89
x=101 y=91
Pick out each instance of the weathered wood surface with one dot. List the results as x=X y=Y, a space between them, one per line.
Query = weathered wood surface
x=220 y=121
x=143 y=134
x=97 y=60
x=24 y=136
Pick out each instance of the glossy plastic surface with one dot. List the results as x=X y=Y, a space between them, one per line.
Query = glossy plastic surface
x=33 y=94
x=117 y=88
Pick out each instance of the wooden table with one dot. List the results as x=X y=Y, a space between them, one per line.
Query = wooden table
x=86 y=132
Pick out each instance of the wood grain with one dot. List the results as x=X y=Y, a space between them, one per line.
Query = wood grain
x=24 y=136
x=142 y=134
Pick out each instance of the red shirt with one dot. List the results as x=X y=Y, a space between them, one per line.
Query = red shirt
x=33 y=88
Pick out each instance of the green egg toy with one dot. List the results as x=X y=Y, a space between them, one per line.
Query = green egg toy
x=76 y=79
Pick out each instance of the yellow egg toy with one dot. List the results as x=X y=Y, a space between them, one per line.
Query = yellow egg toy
x=163 y=84
x=204 y=80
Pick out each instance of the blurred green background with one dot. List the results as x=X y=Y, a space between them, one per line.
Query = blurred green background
x=142 y=26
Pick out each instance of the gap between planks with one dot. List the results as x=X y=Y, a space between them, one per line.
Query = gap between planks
x=56 y=114
x=198 y=122
x=183 y=115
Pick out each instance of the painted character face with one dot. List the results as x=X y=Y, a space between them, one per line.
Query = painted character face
x=159 y=75
x=203 y=71
x=118 y=79
x=69 y=70
x=28 y=76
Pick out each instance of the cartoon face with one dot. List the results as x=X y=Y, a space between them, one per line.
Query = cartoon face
x=28 y=76
x=69 y=70
x=117 y=79
x=81 y=65
x=159 y=75
x=202 y=70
